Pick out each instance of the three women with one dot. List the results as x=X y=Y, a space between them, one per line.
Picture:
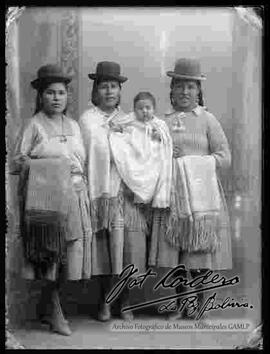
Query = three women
x=102 y=237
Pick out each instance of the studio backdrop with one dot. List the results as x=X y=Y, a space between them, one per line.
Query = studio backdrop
x=146 y=42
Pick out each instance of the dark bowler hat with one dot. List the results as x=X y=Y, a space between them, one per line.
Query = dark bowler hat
x=48 y=74
x=189 y=69
x=107 y=70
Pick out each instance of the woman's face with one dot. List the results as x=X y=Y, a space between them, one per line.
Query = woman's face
x=54 y=98
x=185 y=94
x=108 y=94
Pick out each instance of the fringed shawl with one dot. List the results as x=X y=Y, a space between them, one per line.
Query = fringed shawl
x=143 y=162
x=195 y=204
x=51 y=214
x=103 y=177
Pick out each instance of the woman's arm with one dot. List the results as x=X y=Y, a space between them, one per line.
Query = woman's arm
x=79 y=154
x=218 y=143
x=24 y=145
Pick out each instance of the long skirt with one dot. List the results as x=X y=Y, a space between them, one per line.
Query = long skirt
x=78 y=261
x=125 y=243
x=162 y=254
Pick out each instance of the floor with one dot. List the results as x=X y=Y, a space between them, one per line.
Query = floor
x=91 y=334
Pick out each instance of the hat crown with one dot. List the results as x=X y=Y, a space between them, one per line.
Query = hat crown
x=50 y=70
x=108 y=68
x=50 y=73
x=188 y=67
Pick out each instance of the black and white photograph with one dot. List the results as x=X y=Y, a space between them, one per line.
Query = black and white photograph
x=134 y=177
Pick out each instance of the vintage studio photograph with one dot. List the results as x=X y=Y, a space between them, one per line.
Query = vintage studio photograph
x=133 y=177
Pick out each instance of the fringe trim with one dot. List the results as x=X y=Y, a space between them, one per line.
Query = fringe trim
x=137 y=217
x=99 y=211
x=193 y=235
x=104 y=210
x=44 y=237
x=107 y=212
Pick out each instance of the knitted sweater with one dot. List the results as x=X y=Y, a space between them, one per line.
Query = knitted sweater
x=202 y=135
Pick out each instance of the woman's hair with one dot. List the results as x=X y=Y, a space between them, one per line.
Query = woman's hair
x=41 y=89
x=200 y=94
x=94 y=94
x=144 y=96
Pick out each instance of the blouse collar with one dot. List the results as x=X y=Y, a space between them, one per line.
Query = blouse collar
x=196 y=111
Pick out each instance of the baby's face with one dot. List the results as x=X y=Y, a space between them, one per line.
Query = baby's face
x=144 y=110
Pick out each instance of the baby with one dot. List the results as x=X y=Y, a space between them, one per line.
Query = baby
x=144 y=105
x=142 y=152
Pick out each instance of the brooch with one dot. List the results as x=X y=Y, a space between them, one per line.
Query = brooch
x=178 y=124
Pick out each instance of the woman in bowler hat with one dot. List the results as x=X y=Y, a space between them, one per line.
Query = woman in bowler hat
x=194 y=131
x=118 y=224
x=56 y=230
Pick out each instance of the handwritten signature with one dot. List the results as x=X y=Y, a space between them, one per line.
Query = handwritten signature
x=207 y=281
x=193 y=306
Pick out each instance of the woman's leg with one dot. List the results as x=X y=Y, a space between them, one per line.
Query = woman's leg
x=135 y=253
x=104 y=313
x=181 y=311
x=200 y=295
x=58 y=322
x=50 y=306
x=44 y=305
x=125 y=302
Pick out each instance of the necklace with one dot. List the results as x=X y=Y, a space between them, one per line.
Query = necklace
x=63 y=138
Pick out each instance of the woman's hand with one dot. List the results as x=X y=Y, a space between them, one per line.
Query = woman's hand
x=116 y=127
x=156 y=135
x=25 y=161
x=176 y=151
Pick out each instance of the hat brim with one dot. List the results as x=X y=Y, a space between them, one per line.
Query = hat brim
x=49 y=80
x=108 y=77
x=188 y=77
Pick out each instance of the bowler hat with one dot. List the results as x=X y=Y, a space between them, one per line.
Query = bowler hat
x=50 y=73
x=107 y=70
x=189 y=69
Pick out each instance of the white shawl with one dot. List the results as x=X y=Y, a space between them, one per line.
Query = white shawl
x=144 y=163
x=103 y=178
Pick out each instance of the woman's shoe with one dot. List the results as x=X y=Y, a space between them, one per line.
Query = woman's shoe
x=175 y=316
x=105 y=314
x=127 y=316
x=46 y=319
x=60 y=328
x=57 y=322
